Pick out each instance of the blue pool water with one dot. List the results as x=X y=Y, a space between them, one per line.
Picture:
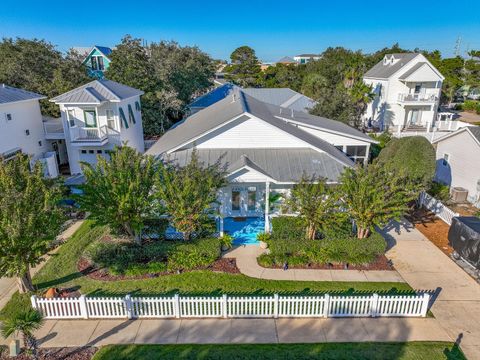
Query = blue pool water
x=244 y=230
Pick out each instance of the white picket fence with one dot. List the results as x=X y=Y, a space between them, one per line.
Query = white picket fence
x=437 y=207
x=232 y=306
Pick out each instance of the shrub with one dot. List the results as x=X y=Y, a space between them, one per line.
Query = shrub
x=199 y=253
x=287 y=227
x=265 y=237
x=149 y=268
x=470 y=105
x=155 y=228
x=226 y=241
x=439 y=191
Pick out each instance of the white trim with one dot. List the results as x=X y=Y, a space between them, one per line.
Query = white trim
x=246 y=167
x=466 y=128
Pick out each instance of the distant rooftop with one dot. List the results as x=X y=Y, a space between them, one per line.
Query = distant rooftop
x=384 y=69
x=287 y=60
x=9 y=94
x=84 y=51
x=308 y=55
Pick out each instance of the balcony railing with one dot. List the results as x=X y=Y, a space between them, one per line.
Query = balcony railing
x=89 y=134
x=53 y=128
x=417 y=98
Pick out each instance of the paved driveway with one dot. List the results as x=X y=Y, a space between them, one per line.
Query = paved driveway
x=424 y=266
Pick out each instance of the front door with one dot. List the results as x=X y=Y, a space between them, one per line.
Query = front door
x=415 y=117
x=57 y=153
x=243 y=200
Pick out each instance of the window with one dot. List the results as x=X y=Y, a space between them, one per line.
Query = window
x=84 y=151
x=137 y=105
x=71 y=117
x=110 y=119
x=123 y=119
x=27 y=132
x=91 y=151
x=8 y=117
x=418 y=87
x=40 y=143
x=101 y=67
x=90 y=117
x=357 y=153
x=445 y=159
x=99 y=151
x=131 y=117
x=93 y=59
x=235 y=200
x=252 y=198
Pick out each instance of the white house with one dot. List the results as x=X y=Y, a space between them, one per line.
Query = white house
x=458 y=161
x=265 y=148
x=21 y=128
x=407 y=88
x=306 y=58
x=94 y=118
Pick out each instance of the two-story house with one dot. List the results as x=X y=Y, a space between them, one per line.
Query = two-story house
x=97 y=116
x=407 y=91
x=22 y=129
x=96 y=59
x=306 y=58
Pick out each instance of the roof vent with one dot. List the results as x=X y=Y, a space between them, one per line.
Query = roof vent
x=292 y=113
x=233 y=97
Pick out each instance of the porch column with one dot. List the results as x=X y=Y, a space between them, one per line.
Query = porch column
x=221 y=226
x=267 y=206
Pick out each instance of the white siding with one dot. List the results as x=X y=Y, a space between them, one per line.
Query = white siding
x=26 y=115
x=252 y=133
x=333 y=139
x=463 y=167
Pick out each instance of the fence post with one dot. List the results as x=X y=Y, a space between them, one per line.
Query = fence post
x=275 y=306
x=374 y=305
x=224 y=306
x=425 y=301
x=128 y=306
x=83 y=306
x=177 y=306
x=33 y=300
x=326 y=308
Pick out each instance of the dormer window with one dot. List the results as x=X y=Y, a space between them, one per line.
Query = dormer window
x=97 y=63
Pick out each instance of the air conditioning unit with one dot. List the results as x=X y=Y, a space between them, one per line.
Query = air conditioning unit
x=459 y=194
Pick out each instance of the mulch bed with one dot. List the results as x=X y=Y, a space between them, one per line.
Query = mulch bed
x=432 y=227
x=82 y=353
x=380 y=263
x=88 y=269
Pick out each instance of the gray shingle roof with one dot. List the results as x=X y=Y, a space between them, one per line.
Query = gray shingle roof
x=96 y=92
x=475 y=131
x=284 y=97
x=9 y=94
x=224 y=111
x=384 y=71
x=282 y=165
x=409 y=72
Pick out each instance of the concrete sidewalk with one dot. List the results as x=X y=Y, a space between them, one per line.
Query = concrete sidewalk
x=246 y=259
x=425 y=267
x=8 y=286
x=63 y=333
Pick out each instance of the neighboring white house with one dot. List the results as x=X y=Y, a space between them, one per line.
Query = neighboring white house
x=265 y=148
x=306 y=58
x=284 y=97
x=407 y=88
x=94 y=118
x=21 y=128
x=458 y=161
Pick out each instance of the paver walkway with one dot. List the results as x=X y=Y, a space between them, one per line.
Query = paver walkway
x=8 y=286
x=246 y=259
x=63 y=333
x=424 y=266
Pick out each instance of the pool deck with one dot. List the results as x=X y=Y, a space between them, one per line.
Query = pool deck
x=246 y=258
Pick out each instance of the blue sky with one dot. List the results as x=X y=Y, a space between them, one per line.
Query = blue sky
x=273 y=28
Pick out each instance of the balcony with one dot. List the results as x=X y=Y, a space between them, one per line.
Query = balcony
x=53 y=128
x=417 y=98
x=89 y=136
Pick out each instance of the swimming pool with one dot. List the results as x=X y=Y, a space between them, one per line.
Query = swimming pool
x=244 y=230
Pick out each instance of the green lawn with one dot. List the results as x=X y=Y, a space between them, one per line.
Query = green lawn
x=330 y=351
x=61 y=271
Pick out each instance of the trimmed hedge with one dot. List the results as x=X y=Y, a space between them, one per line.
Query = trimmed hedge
x=319 y=252
x=124 y=258
x=291 y=227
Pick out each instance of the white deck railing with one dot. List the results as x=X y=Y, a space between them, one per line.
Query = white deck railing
x=232 y=307
x=437 y=207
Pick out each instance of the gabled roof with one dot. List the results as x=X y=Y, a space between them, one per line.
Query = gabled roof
x=308 y=55
x=284 y=97
x=416 y=67
x=474 y=131
x=236 y=107
x=384 y=71
x=96 y=92
x=86 y=51
x=9 y=94
x=286 y=59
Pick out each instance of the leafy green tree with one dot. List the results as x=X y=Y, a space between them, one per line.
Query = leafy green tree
x=29 y=218
x=413 y=156
x=24 y=323
x=372 y=196
x=36 y=65
x=244 y=69
x=189 y=193
x=119 y=192
x=317 y=205
x=283 y=76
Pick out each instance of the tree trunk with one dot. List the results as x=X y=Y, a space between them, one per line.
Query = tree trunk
x=186 y=235
x=24 y=283
x=311 y=232
x=33 y=346
x=362 y=233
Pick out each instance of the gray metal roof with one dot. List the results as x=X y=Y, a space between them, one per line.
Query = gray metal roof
x=223 y=112
x=96 y=92
x=282 y=165
x=286 y=59
x=284 y=97
x=475 y=131
x=384 y=71
x=9 y=94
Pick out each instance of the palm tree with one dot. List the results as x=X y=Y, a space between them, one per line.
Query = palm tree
x=25 y=322
x=361 y=95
